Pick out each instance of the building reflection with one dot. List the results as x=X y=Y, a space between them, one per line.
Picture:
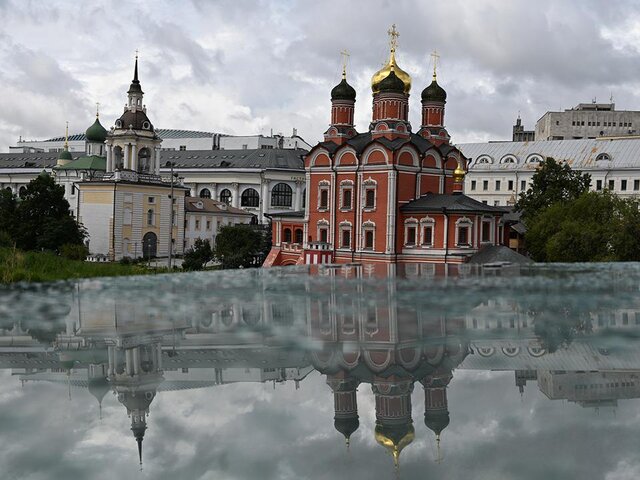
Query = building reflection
x=379 y=333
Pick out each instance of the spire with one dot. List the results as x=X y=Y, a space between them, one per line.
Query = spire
x=135 y=70
x=139 y=440
x=439 y=452
x=97 y=109
x=66 y=137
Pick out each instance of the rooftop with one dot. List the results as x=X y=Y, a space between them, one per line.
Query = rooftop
x=207 y=205
x=290 y=159
x=454 y=203
x=161 y=132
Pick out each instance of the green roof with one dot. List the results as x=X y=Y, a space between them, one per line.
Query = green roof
x=65 y=155
x=89 y=162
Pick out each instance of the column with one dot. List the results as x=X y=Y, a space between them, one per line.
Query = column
x=156 y=170
x=128 y=362
x=134 y=157
x=235 y=193
x=264 y=199
x=109 y=159
x=127 y=151
x=111 y=369
x=297 y=202
x=136 y=360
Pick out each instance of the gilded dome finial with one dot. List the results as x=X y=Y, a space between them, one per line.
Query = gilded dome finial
x=435 y=57
x=66 y=137
x=391 y=65
x=345 y=57
x=97 y=109
x=393 y=38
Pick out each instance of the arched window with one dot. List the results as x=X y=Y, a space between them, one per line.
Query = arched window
x=250 y=198
x=23 y=192
x=118 y=163
x=144 y=160
x=299 y=236
x=225 y=196
x=287 y=235
x=281 y=195
x=150 y=217
x=205 y=193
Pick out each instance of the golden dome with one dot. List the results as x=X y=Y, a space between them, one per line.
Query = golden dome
x=391 y=64
x=458 y=174
x=393 y=446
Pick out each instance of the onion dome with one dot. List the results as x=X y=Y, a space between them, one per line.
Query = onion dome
x=96 y=132
x=385 y=71
x=434 y=93
x=65 y=155
x=436 y=421
x=391 y=84
x=346 y=426
x=394 y=438
x=458 y=174
x=343 y=91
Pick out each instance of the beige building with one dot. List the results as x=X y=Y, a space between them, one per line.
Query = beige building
x=129 y=211
x=205 y=216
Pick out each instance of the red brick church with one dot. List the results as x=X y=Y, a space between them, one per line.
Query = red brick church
x=388 y=195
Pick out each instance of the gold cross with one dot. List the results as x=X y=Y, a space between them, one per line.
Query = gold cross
x=97 y=109
x=345 y=57
x=435 y=57
x=393 y=37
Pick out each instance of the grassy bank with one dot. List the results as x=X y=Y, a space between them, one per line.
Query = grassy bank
x=17 y=266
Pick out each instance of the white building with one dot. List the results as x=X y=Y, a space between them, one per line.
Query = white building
x=255 y=142
x=204 y=217
x=587 y=120
x=500 y=171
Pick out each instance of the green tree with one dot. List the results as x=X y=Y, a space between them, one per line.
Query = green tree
x=198 y=256
x=552 y=182
x=42 y=220
x=597 y=226
x=8 y=213
x=238 y=246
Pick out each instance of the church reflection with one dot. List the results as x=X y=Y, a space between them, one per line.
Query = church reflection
x=376 y=334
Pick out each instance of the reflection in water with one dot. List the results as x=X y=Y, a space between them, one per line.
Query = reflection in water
x=395 y=331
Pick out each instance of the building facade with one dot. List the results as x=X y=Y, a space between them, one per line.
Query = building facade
x=500 y=171
x=587 y=120
x=388 y=195
x=204 y=217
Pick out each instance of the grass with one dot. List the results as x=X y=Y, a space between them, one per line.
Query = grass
x=19 y=266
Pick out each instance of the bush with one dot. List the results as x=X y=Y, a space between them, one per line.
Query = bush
x=5 y=240
x=74 y=252
x=198 y=256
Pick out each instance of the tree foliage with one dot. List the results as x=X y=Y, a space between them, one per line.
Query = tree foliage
x=597 y=226
x=237 y=246
x=552 y=182
x=198 y=256
x=40 y=220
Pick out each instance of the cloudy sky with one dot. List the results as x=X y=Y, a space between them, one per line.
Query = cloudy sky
x=246 y=67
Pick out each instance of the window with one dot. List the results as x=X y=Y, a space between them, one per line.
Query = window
x=304 y=198
x=612 y=184
x=473 y=184
x=183 y=148
x=208 y=224
x=205 y=193
x=250 y=198
x=281 y=195
x=427 y=235
x=496 y=203
x=598 y=184
x=636 y=185
x=368 y=239
x=623 y=185
x=463 y=232
x=370 y=198
x=299 y=235
x=323 y=203
x=510 y=185
x=323 y=234
x=485 y=185
x=498 y=185
x=411 y=235
x=128 y=216
x=150 y=217
x=523 y=185
x=152 y=200
x=346 y=198
x=486 y=231
x=197 y=227
x=287 y=235
x=345 y=238
x=225 y=196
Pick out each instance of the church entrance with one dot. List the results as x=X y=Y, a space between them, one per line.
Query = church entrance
x=150 y=245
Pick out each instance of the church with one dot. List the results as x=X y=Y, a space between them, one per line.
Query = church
x=388 y=195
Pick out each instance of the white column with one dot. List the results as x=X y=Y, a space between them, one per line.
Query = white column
x=109 y=159
x=136 y=360
x=112 y=368
x=134 y=157
x=264 y=199
x=391 y=211
x=128 y=361
x=235 y=194
x=127 y=151
x=297 y=201
x=156 y=170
